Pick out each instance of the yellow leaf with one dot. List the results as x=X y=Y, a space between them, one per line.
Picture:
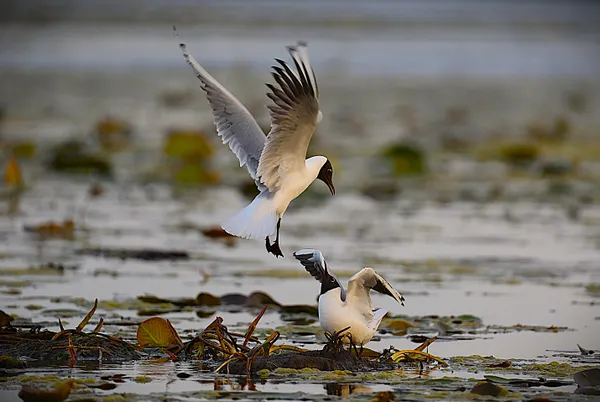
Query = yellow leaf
x=402 y=355
x=253 y=325
x=426 y=344
x=187 y=144
x=12 y=174
x=88 y=317
x=157 y=332
x=397 y=324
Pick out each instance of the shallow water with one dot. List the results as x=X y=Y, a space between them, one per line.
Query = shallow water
x=444 y=240
x=461 y=258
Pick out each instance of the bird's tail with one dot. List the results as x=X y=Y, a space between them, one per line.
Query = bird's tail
x=377 y=317
x=257 y=221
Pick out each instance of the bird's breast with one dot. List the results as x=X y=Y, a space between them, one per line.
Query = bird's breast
x=293 y=185
x=335 y=315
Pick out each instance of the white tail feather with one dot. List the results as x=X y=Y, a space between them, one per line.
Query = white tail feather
x=257 y=221
x=377 y=317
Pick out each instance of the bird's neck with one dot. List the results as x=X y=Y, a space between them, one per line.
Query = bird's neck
x=328 y=285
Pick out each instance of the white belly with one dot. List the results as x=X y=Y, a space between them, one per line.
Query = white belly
x=335 y=315
x=294 y=185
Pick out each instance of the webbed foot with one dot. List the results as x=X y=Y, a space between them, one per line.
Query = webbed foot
x=273 y=248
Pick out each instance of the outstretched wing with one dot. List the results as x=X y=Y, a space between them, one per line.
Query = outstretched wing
x=294 y=117
x=314 y=262
x=235 y=125
x=366 y=279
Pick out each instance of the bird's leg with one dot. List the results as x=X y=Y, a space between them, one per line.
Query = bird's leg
x=274 y=248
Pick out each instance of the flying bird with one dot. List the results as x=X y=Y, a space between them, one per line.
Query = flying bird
x=339 y=309
x=277 y=161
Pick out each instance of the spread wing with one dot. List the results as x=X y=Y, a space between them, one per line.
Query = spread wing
x=314 y=262
x=366 y=279
x=235 y=125
x=294 y=117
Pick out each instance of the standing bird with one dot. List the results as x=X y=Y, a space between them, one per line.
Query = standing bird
x=354 y=309
x=277 y=161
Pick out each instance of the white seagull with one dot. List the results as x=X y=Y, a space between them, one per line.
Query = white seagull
x=354 y=309
x=277 y=161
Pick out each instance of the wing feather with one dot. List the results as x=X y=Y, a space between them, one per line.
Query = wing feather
x=366 y=279
x=294 y=116
x=235 y=125
x=315 y=264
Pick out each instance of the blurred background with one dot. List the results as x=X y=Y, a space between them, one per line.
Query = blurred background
x=403 y=83
x=465 y=137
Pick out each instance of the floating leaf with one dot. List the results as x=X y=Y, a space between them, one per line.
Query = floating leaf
x=12 y=174
x=258 y=299
x=113 y=134
x=216 y=232
x=504 y=364
x=157 y=332
x=206 y=299
x=405 y=159
x=398 y=325
x=57 y=394
x=384 y=396
x=54 y=230
x=71 y=156
x=187 y=144
x=489 y=389
x=497 y=379
x=192 y=173
x=114 y=377
x=140 y=254
x=519 y=153
x=526 y=382
x=105 y=386
x=300 y=309
x=24 y=149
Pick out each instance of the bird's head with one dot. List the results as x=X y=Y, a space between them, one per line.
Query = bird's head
x=326 y=175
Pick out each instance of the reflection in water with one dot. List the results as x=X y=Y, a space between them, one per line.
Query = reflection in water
x=235 y=384
x=345 y=390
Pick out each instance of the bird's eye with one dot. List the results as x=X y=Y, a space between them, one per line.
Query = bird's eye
x=330 y=170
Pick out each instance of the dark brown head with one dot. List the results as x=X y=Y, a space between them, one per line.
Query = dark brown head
x=326 y=175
